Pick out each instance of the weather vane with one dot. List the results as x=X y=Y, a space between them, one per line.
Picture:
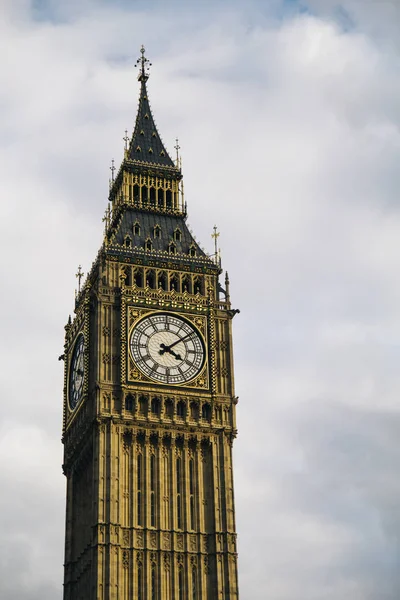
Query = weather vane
x=79 y=276
x=144 y=64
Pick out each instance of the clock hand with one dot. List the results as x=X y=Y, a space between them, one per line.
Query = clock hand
x=165 y=348
x=181 y=340
x=177 y=356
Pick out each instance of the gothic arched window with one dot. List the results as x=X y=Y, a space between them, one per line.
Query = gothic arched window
x=162 y=281
x=180 y=409
x=129 y=402
x=206 y=412
x=155 y=406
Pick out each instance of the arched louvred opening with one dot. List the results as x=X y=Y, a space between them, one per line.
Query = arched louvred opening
x=157 y=231
x=148 y=245
x=136 y=194
x=194 y=411
x=198 y=286
x=181 y=409
x=168 y=196
x=169 y=408
x=128 y=275
x=162 y=281
x=153 y=482
x=174 y=283
x=160 y=198
x=177 y=235
x=139 y=484
x=152 y=196
x=128 y=241
x=145 y=195
x=138 y=277
x=155 y=406
x=153 y=582
x=206 y=412
x=194 y=583
x=151 y=279
x=181 y=584
x=129 y=403
x=172 y=248
x=187 y=284
x=143 y=405
x=136 y=228
x=191 y=494
x=139 y=581
x=179 y=487
x=192 y=250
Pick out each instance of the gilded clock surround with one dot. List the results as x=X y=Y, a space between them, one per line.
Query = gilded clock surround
x=150 y=505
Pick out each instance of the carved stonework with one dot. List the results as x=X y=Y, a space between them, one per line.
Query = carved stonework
x=167 y=541
x=167 y=561
x=153 y=540
x=206 y=567
x=139 y=539
x=179 y=541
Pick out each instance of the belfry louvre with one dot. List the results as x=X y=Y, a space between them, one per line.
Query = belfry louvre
x=149 y=401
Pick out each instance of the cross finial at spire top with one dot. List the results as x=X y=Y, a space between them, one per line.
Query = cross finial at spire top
x=144 y=65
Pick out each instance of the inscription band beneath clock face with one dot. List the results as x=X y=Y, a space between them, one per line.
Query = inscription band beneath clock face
x=167 y=348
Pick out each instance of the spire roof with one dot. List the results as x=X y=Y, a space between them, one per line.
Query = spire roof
x=146 y=145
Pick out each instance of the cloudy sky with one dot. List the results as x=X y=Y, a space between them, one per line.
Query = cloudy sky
x=288 y=117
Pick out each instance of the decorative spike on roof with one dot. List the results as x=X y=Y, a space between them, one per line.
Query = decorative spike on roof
x=146 y=145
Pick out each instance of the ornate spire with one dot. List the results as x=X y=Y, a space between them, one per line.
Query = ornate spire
x=145 y=65
x=146 y=145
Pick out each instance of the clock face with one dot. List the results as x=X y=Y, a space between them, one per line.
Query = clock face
x=167 y=348
x=76 y=374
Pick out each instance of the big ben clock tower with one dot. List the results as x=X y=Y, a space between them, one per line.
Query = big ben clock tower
x=149 y=401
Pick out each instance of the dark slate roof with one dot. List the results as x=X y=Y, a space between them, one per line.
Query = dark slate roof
x=146 y=144
x=168 y=225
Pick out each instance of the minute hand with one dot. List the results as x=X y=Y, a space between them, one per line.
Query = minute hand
x=181 y=340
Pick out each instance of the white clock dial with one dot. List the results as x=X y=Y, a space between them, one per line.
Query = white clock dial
x=167 y=348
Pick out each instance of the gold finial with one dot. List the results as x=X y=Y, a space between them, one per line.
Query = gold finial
x=107 y=218
x=126 y=139
x=177 y=148
x=79 y=276
x=112 y=169
x=215 y=235
x=144 y=64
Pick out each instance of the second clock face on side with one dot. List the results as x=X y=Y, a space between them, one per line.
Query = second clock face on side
x=167 y=348
x=76 y=373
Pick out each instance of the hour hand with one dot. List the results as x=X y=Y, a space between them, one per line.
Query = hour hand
x=165 y=348
x=177 y=356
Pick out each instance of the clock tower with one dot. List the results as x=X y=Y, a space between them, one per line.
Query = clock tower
x=149 y=401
